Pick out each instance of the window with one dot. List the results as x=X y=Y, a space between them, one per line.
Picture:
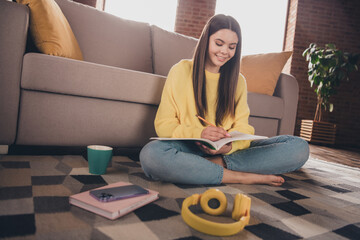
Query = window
x=157 y=12
x=262 y=23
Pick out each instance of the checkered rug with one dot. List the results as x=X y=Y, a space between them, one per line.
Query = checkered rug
x=321 y=201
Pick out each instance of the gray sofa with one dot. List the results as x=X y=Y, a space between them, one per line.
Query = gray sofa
x=111 y=97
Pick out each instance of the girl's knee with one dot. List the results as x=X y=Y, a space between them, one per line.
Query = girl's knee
x=300 y=150
x=147 y=156
x=302 y=146
x=150 y=158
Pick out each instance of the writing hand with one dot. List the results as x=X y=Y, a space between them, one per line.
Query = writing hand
x=214 y=133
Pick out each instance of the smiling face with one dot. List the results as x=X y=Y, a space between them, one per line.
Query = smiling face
x=222 y=47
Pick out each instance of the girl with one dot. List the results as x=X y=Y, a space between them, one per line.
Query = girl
x=210 y=86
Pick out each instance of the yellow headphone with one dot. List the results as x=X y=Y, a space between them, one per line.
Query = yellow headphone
x=240 y=213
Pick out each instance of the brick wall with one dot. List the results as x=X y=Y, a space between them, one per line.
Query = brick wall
x=192 y=15
x=326 y=21
x=290 y=32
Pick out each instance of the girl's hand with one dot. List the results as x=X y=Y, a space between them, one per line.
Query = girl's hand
x=225 y=149
x=214 y=133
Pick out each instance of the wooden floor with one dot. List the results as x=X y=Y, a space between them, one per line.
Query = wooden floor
x=330 y=154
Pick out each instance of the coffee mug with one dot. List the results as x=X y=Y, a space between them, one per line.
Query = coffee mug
x=99 y=158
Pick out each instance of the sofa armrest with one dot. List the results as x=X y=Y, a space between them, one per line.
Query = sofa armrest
x=287 y=88
x=14 y=21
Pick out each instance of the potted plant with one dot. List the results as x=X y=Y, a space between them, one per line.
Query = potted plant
x=327 y=68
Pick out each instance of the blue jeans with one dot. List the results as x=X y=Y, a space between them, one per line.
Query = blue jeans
x=184 y=162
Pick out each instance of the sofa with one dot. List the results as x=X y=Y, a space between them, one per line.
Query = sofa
x=111 y=96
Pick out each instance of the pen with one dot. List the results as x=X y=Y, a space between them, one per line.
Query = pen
x=202 y=119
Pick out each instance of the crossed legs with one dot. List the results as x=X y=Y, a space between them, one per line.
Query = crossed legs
x=180 y=162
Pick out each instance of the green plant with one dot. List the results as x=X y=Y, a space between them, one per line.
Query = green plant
x=328 y=66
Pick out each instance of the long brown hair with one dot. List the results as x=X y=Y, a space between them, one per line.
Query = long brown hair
x=229 y=72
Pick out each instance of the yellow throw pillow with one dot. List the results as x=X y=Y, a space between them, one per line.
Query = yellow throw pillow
x=262 y=71
x=50 y=30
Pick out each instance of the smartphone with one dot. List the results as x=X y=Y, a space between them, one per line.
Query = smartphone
x=117 y=193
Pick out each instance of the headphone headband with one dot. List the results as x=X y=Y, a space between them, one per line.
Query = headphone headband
x=241 y=211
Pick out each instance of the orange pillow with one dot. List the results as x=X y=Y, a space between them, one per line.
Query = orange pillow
x=50 y=29
x=262 y=71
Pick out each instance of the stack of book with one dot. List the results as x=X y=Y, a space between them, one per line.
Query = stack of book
x=113 y=209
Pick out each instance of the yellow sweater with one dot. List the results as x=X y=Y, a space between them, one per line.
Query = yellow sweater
x=176 y=113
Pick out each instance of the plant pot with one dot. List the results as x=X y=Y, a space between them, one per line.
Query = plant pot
x=318 y=132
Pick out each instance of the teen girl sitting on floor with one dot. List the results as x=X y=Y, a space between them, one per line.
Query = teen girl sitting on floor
x=210 y=86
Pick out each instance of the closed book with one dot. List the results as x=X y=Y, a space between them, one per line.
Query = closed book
x=113 y=209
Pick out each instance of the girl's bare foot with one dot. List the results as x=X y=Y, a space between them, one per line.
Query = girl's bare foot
x=251 y=178
x=246 y=178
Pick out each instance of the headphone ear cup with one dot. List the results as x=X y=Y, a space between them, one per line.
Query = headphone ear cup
x=241 y=206
x=210 y=195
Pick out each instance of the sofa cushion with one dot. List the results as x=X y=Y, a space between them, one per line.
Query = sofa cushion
x=169 y=48
x=50 y=30
x=66 y=76
x=109 y=40
x=262 y=105
x=262 y=71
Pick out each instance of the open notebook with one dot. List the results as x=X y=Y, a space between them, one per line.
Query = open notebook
x=235 y=136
